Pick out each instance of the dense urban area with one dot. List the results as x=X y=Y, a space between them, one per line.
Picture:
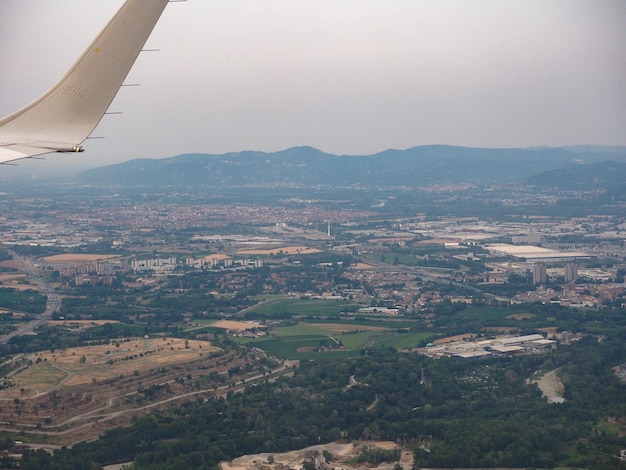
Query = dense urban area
x=287 y=327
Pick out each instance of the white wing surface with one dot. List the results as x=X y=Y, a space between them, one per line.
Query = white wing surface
x=63 y=118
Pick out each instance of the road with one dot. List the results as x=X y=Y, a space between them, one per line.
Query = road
x=52 y=304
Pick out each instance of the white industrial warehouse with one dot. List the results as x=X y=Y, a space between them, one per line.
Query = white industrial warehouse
x=489 y=347
x=535 y=253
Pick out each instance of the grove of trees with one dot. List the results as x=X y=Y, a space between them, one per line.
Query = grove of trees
x=476 y=414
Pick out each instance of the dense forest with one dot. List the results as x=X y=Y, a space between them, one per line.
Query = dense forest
x=472 y=414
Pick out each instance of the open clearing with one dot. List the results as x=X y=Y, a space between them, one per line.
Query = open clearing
x=17 y=281
x=68 y=395
x=343 y=457
x=551 y=386
x=287 y=250
x=80 y=324
x=235 y=325
x=9 y=263
x=304 y=307
x=452 y=339
x=344 y=328
x=84 y=365
x=521 y=316
x=361 y=266
x=77 y=258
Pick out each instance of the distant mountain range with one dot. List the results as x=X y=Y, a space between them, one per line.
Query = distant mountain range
x=575 y=167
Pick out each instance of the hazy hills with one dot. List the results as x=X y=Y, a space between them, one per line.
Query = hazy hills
x=577 y=167
x=608 y=177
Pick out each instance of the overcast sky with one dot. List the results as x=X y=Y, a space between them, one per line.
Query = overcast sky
x=345 y=76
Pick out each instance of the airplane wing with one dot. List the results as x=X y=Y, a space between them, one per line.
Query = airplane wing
x=61 y=119
x=9 y=153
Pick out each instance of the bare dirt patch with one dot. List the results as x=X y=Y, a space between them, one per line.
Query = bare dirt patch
x=216 y=257
x=9 y=263
x=385 y=445
x=551 y=386
x=361 y=266
x=235 y=325
x=343 y=456
x=17 y=281
x=11 y=277
x=452 y=339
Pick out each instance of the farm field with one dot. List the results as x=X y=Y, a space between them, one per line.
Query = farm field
x=15 y=281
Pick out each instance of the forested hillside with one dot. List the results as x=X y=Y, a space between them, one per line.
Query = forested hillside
x=471 y=414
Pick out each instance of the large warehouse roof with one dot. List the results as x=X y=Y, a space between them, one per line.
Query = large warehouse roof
x=532 y=252
x=518 y=339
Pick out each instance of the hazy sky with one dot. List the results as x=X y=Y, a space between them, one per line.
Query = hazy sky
x=345 y=76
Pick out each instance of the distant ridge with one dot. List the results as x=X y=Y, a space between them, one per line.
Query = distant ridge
x=598 y=149
x=309 y=167
x=609 y=176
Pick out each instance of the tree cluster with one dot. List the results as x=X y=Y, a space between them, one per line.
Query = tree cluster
x=475 y=415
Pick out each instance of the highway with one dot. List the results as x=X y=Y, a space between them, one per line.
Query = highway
x=52 y=304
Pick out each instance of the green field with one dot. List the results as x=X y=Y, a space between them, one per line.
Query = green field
x=514 y=316
x=303 y=307
x=322 y=323
x=288 y=339
x=28 y=300
x=301 y=329
x=43 y=376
